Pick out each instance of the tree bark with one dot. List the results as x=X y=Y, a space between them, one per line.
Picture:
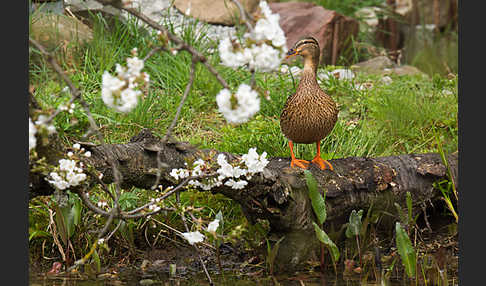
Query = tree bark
x=280 y=194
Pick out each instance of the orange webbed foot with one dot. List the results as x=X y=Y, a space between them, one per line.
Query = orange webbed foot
x=323 y=164
x=299 y=163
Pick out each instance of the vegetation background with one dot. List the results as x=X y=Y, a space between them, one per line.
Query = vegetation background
x=412 y=114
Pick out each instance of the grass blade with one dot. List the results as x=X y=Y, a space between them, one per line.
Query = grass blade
x=324 y=238
x=406 y=250
x=317 y=200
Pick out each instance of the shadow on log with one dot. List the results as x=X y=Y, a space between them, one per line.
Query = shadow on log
x=280 y=194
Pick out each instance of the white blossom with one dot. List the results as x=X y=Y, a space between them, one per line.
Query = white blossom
x=76 y=146
x=68 y=175
x=227 y=173
x=237 y=185
x=154 y=208
x=254 y=162
x=193 y=237
x=87 y=154
x=134 y=67
x=213 y=226
x=67 y=165
x=267 y=40
x=232 y=58
x=118 y=92
x=265 y=58
x=58 y=181
x=75 y=178
x=32 y=132
x=268 y=28
x=247 y=104
x=179 y=173
x=41 y=122
x=102 y=204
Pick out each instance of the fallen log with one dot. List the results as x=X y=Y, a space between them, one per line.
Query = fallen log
x=280 y=194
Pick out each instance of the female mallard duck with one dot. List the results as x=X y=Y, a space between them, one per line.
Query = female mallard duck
x=309 y=114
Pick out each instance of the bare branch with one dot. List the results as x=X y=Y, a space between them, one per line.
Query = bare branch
x=152 y=52
x=75 y=93
x=195 y=246
x=183 y=45
x=247 y=19
x=183 y=100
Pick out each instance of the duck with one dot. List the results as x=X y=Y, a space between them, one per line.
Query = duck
x=309 y=115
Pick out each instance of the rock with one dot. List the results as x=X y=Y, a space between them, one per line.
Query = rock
x=54 y=30
x=52 y=6
x=214 y=11
x=369 y=15
x=331 y=29
x=375 y=65
x=406 y=70
x=160 y=11
x=384 y=66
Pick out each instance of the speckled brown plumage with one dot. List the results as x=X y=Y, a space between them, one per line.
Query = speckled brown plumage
x=310 y=114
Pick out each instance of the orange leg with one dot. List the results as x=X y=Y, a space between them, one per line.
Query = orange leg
x=296 y=162
x=319 y=161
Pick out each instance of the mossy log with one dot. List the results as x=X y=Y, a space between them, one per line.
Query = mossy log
x=280 y=194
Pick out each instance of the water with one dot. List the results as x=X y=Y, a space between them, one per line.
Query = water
x=313 y=279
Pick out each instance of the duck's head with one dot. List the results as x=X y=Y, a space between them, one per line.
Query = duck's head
x=307 y=47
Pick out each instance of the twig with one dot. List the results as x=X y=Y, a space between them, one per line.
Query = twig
x=183 y=45
x=183 y=100
x=171 y=192
x=114 y=230
x=152 y=52
x=75 y=93
x=244 y=15
x=195 y=246
x=54 y=235
x=252 y=80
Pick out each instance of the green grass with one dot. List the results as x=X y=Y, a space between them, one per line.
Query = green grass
x=385 y=120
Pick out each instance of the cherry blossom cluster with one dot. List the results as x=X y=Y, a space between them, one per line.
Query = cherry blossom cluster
x=195 y=236
x=121 y=92
x=32 y=132
x=262 y=49
x=39 y=126
x=239 y=107
x=69 y=173
x=233 y=175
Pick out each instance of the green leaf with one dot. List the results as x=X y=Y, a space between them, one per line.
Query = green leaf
x=354 y=224
x=76 y=210
x=68 y=214
x=97 y=261
x=38 y=233
x=406 y=250
x=322 y=236
x=61 y=225
x=409 y=208
x=219 y=216
x=317 y=200
x=401 y=213
x=272 y=253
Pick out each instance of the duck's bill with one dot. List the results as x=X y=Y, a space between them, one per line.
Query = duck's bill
x=291 y=53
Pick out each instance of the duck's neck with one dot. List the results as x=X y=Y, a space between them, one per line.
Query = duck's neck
x=309 y=73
